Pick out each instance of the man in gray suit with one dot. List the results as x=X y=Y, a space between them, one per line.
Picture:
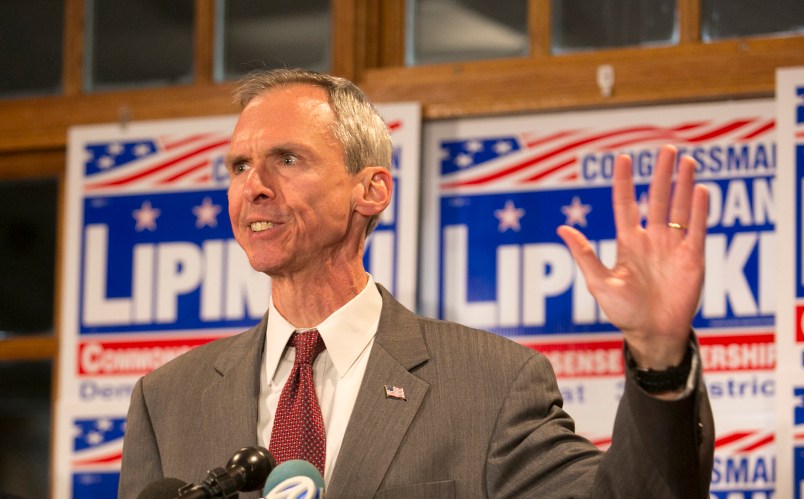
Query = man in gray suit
x=414 y=407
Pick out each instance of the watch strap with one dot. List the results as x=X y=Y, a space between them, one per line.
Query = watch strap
x=666 y=380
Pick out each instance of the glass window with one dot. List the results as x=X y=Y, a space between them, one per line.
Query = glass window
x=464 y=30
x=583 y=25
x=27 y=256
x=255 y=34
x=138 y=44
x=24 y=428
x=31 y=34
x=722 y=19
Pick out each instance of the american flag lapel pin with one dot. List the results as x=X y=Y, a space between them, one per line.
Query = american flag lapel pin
x=394 y=392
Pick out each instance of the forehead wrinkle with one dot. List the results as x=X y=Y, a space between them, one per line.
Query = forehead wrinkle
x=303 y=112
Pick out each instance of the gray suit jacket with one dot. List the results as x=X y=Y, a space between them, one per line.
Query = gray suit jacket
x=482 y=418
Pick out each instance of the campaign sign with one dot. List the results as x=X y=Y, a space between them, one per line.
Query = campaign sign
x=151 y=269
x=496 y=190
x=790 y=312
x=501 y=265
x=739 y=375
x=744 y=465
x=798 y=442
x=97 y=446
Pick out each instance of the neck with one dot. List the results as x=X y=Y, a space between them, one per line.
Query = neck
x=305 y=301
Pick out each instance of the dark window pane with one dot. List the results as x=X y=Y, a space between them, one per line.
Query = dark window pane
x=583 y=25
x=138 y=44
x=737 y=18
x=25 y=428
x=27 y=256
x=255 y=34
x=465 y=30
x=31 y=33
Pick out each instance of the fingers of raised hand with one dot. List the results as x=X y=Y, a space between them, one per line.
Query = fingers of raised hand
x=626 y=213
x=679 y=216
x=683 y=216
x=697 y=226
x=583 y=254
x=660 y=189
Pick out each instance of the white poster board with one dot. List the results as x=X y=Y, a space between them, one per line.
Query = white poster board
x=151 y=270
x=496 y=189
x=790 y=313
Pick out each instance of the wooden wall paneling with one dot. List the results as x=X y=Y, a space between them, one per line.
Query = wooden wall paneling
x=367 y=34
x=732 y=69
x=348 y=33
x=16 y=165
x=391 y=33
x=34 y=348
x=689 y=21
x=539 y=26
x=204 y=41
x=73 y=48
x=42 y=123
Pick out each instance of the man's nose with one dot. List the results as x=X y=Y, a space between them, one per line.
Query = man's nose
x=257 y=186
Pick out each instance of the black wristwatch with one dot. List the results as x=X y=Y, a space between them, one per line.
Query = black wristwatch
x=667 y=380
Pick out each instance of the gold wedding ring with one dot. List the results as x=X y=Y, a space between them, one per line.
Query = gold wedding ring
x=674 y=225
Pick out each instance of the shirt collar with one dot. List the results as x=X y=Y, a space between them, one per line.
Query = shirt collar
x=346 y=333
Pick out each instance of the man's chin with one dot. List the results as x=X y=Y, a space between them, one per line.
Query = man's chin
x=271 y=267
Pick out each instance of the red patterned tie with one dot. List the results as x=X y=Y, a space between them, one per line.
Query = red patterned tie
x=298 y=431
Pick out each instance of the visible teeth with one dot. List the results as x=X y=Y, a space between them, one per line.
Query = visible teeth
x=261 y=226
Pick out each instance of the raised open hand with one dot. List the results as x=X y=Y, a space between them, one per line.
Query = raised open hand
x=652 y=291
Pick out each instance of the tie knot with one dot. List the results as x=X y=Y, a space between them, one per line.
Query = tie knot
x=308 y=345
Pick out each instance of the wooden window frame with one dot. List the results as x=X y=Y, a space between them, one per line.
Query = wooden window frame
x=687 y=72
x=368 y=47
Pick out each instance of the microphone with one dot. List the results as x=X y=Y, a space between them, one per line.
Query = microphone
x=164 y=488
x=294 y=479
x=246 y=471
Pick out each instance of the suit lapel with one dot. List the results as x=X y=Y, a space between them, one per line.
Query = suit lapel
x=378 y=422
x=228 y=426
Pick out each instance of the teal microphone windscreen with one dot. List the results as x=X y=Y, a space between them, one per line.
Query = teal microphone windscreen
x=291 y=469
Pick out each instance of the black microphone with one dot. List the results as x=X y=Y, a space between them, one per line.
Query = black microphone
x=246 y=471
x=164 y=488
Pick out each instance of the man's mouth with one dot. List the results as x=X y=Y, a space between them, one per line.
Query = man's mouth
x=261 y=226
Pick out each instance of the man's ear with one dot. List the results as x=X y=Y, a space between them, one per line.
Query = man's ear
x=372 y=193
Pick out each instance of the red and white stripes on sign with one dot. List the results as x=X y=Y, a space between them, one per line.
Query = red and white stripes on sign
x=553 y=159
x=738 y=441
x=185 y=160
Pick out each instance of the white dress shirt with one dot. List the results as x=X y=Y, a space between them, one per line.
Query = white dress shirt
x=338 y=371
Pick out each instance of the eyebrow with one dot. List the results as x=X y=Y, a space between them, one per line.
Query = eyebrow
x=231 y=159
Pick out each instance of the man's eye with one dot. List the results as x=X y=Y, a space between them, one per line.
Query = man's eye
x=239 y=168
x=289 y=159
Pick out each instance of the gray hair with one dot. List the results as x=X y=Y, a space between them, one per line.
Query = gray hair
x=359 y=128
